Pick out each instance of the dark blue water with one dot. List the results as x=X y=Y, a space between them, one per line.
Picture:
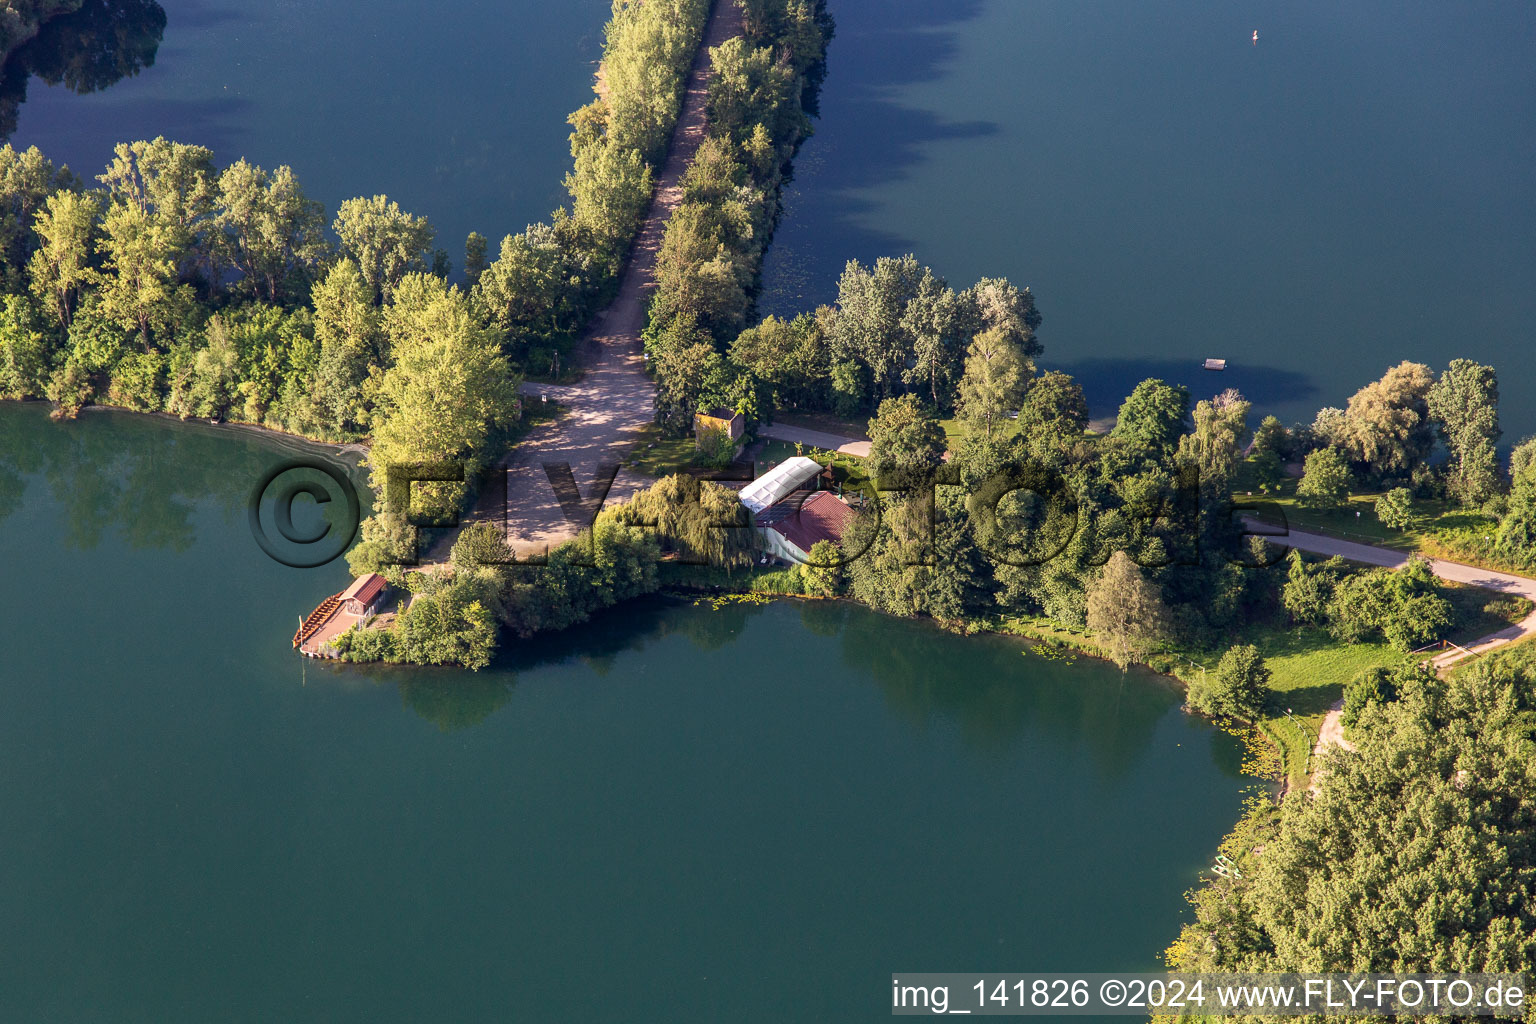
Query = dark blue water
x=1356 y=189
x=456 y=110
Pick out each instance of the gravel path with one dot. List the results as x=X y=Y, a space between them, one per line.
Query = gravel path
x=1488 y=579
x=615 y=400
x=816 y=439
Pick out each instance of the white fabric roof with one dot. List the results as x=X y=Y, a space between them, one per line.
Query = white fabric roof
x=779 y=483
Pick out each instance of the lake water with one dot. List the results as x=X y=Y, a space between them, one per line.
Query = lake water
x=455 y=110
x=1357 y=188
x=672 y=814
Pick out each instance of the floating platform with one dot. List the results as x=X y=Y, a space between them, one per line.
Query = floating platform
x=1215 y=364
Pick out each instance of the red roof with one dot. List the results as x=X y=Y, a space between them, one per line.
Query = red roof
x=365 y=588
x=820 y=517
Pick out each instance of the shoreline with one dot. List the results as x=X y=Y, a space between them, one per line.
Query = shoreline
x=341 y=447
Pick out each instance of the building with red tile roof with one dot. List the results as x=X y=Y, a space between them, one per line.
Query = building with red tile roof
x=791 y=527
x=364 y=593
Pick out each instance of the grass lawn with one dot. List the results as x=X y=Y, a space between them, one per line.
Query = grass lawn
x=1467 y=537
x=1441 y=531
x=1309 y=670
x=1480 y=612
x=849 y=469
x=774 y=452
x=956 y=431
x=656 y=454
x=1345 y=522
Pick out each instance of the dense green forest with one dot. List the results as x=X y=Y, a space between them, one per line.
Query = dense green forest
x=1414 y=854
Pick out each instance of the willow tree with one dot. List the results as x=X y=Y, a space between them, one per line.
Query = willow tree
x=1215 y=445
x=699 y=521
x=1387 y=425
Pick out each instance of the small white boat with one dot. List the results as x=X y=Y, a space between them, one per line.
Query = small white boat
x=1255 y=37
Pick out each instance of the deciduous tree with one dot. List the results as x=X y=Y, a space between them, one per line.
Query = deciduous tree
x=904 y=437
x=996 y=374
x=384 y=241
x=1237 y=688
x=1325 y=480
x=1465 y=403
x=1386 y=425
x=60 y=267
x=1395 y=508
x=1125 y=611
x=448 y=394
x=1153 y=415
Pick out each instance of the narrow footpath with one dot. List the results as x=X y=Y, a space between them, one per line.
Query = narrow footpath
x=815 y=438
x=606 y=411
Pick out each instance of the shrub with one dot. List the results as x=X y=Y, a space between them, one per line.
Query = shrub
x=1373 y=686
x=138 y=381
x=716 y=448
x=1237 y=689
x=1395 y=509
x=1404 y=607
x=823 y=574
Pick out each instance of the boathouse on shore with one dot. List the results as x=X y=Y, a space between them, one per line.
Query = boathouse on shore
x=364 y=595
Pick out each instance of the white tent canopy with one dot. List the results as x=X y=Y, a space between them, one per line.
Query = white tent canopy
x=779 y=483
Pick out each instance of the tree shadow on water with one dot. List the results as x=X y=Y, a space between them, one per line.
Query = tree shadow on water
x=458 y=702
x=865 y=138
x=999 y=697
x=84 y=51
x=1106 y=382
x=630 y=626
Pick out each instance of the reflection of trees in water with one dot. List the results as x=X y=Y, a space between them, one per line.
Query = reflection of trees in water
x=824 y=618
x=997 y=696
x=457 y=700
x=132 y=477
x=711 y=628
x=88 y=50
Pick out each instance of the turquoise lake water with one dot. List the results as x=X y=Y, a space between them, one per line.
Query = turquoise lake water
x=671 y=814
x=677 y=813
